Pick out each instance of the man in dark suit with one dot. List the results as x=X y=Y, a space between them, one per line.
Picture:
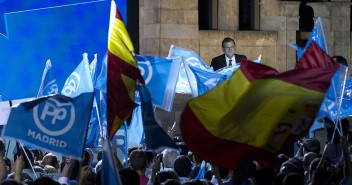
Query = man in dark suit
x=229 y=57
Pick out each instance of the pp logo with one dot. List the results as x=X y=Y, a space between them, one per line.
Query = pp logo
x=71 y=84
x=55 y=116
x=146 y=70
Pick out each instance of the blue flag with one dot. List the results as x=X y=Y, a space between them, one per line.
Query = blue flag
x=318 y=36
x=160 y=79
x=206 y=80
x=101 y=80
x=136 y=131
x=94 y=132
x=93 y=68
x=80 y=80
x=48 y=85
x=183 y=84
x=109 y=170
x=156 y=138
x=337 y=103
x=57 y=123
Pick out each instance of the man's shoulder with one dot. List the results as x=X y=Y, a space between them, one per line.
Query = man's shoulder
x=220 y=57
x=240 y=56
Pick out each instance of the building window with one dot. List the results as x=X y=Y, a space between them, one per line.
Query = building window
x=208 y=14
x=249 y=15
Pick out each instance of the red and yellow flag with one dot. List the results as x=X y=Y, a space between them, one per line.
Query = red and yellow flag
x=122 y=74
x=257 y=111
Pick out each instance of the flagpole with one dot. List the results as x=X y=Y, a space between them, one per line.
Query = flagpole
x=126 y=145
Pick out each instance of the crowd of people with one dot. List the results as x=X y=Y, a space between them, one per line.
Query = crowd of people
x=310 y=165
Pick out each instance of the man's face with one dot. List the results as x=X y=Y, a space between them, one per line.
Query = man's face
x=229 y=49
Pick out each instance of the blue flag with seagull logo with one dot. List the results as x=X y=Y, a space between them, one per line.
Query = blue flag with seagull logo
x=160 y=76
x=57 y=123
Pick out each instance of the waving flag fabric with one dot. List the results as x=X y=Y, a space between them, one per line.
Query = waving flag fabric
x=155 y=137
x=257 y=111
x=160 y=79
x=79 y=81
x=93 y=68
x=109 y=169
x=183 y=84
x=57 y=123
x=101 y=80
x=48 y=85
x=206 y=80
x=122 y=75
x=317 y=35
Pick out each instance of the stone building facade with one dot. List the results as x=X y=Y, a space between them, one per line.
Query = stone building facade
x=163 y=23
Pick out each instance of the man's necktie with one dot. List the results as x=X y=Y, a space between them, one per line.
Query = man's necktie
x=230 y=62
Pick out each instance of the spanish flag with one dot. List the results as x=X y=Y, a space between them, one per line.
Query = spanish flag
x=122 y=74
x=258 y=111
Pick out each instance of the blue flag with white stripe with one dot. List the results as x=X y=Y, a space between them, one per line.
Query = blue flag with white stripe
x=192 y=58
x=160 y=76
x=48 y=84
x=206 y=80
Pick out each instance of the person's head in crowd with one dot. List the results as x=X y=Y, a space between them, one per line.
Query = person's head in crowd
x=169 y=156
x=311 y=145
x=307 y=159
x=183 y=147
x=150 y=157
x=129 y=176
x=162 y=176
x=280 y=158
x=340 y=59
x=171 y=182
x=75 y=165
x=2 y=147
x=45 y=181
x=138 y=161
x=8 y=164
x=196 y=160
x=183 y=166
x=292 y=165
x=50 y=159
x=100 y=155
x=87 y=176
x=88 y=156
x=312 y=168
x=11 y=182
x=38 y=155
